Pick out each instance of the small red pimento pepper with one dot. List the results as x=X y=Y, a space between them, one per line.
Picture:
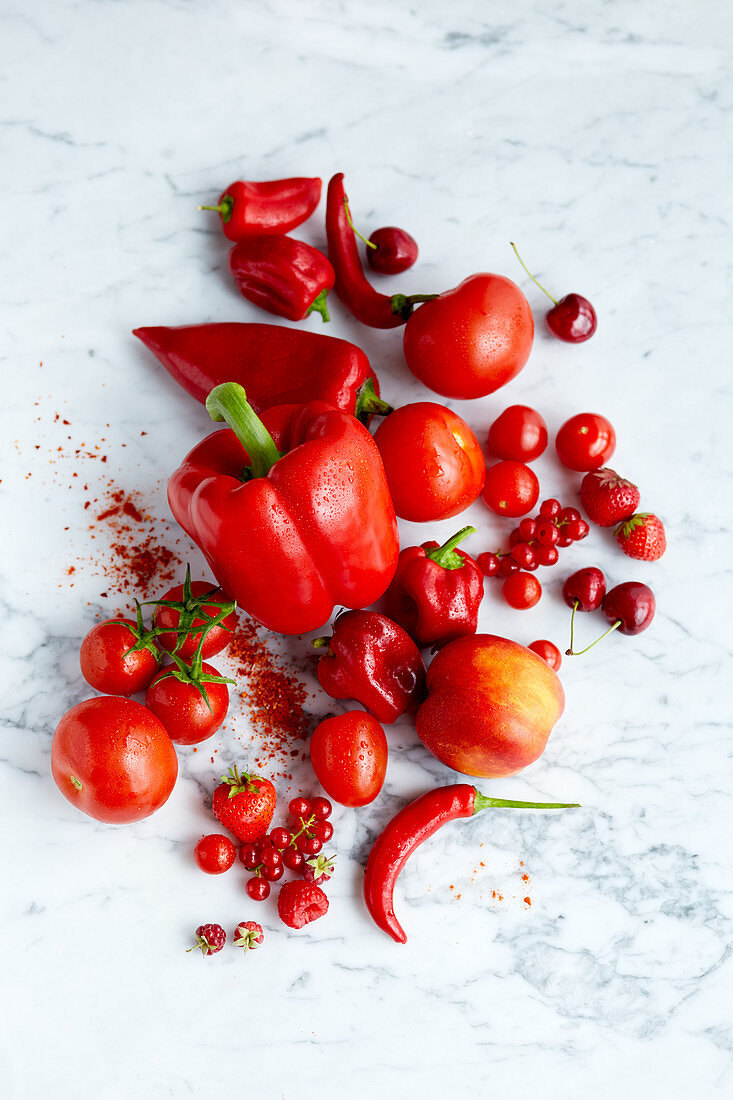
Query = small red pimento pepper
x=409 y=828
x=352 y=286
x=250 y=209
x=290 y=529
x=373 y=660
x=301 y=365
x=436 y=592
x=282 y=275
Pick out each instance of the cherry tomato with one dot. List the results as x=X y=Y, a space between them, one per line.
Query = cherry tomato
x=548 y=651
x=518 y=433
x=521 y=591
x=432 y=459
x=113 y=759
x=182 y=709
x=107 y=664
x=218 y=637
x=511 y=488
x=349 y=757
x=215 y=853
x=471 y=340
x=585 y=442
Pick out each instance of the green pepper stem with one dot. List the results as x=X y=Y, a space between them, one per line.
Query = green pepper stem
x=539 y=284
x=403 y=304
x=318 y=305
x=224 y=208
x=483 y=802
x=445 y=555
x=229 y=402
x=368 y=404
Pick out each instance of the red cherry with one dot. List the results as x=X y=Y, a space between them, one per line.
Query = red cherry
x=630 y=607
x=394 y=250
x=572 y=318
x=585 y=589
x=548 y=652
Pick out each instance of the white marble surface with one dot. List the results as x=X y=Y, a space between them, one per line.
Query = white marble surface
x=596 y=135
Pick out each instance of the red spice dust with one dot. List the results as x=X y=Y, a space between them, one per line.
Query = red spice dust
x=139 y=561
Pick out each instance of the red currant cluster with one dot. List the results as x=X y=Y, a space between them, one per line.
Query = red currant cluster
x=532 y=543
x=295 y=848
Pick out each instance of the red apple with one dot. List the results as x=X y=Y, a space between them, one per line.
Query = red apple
x=491 y=706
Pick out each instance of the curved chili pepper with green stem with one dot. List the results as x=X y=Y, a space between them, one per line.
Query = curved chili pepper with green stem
x=415 y=824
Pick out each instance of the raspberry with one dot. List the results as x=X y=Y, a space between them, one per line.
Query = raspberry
x=318 y=869
x=210 y=938
x=299 y=903
x=248 y=934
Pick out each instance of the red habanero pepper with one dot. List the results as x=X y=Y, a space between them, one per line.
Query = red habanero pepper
x=282 y=275
x=250 y=209
x=373 y=660
x=294 y=529
x=409 y=828
x=436 y=592
x=299 y=366
x=352 y=286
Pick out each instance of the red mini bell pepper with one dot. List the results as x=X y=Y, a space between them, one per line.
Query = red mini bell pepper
x=436 y=592
x=293 y=529
x=282 y=275
x=250 y=209
x=274 y=364
x=373 y=660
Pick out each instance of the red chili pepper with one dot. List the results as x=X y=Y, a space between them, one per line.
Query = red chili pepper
x=352 y=286
x=373 y=660
x=250 y=209
x=288 y=535
x=407 y=831
x=274 y=364
x=436 y=592
x=282 y=275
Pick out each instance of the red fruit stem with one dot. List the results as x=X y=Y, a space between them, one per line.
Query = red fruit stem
x=577 y=653
x=539 y=284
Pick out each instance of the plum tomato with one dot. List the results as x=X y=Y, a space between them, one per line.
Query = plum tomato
x=168 y=618
x=110 y=664
x=113 y=759
x=585 y=442
x=349 y=757
x=518 y=433
x=181 y=707
x=432 y=459
x=511 y=488
x=471 y=340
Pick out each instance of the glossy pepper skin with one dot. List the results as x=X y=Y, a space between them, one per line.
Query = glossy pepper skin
x=250 y=209
x=436 y=592
x=409 y=828
x=301 y=366
x=311 y=526
x=282 y=275
x=373 y=660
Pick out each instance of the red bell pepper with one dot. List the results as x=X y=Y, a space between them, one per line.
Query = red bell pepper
x=282 y=275
x=274 y=364
x=373 y=660
x=293 y=529
x=436 y=592
x=250 y=209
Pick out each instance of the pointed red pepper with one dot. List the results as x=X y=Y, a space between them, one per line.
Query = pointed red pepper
x=294 y=529
x=250 y=209
x=436 y=592
x=300 y=366
x=282 y=275
x=373 y=660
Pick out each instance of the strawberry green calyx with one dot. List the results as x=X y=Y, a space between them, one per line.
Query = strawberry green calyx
x=239 y=784
x=628 y=525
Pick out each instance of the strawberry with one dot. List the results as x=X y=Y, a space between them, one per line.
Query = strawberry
x=299 y=903
x=210 y=938
x=608 y=498
x=248 y=934
x=642 y=536
x=245 y=804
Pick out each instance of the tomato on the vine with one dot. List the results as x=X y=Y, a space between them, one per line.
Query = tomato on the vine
x=349 y=757
x=518 y=433
x=511 y=488
x=113 y=759
x=110 y=661
x=585 y=442
x=195 y=602
x=183 y=709
x=432 y=459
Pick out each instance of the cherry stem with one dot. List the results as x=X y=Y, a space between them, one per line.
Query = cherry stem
x=539 y=284
x=577 y=653
x=369 y=244
x=572 y=622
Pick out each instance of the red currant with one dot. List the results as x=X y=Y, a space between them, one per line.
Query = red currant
x=550 y=508
x=564 y=539
x=321 y=808
x=507 y=566
x=258 y=888
x=547 y=533
x=323 y=830
x=514 y=536
x=524 y=556
x=522 y=591
x=546 y=555
x=280 y=837
x=527 y=529
x=312 y=846
x=577 y=529
x=272 y=874
x=249 y=855
x=293 y=859
x=489 y=564
x=271 y=857
x=568 y=514
x=300 y=807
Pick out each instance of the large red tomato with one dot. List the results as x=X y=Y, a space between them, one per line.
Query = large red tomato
x=469 y=341
x=432 y=460
x=113 y=759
